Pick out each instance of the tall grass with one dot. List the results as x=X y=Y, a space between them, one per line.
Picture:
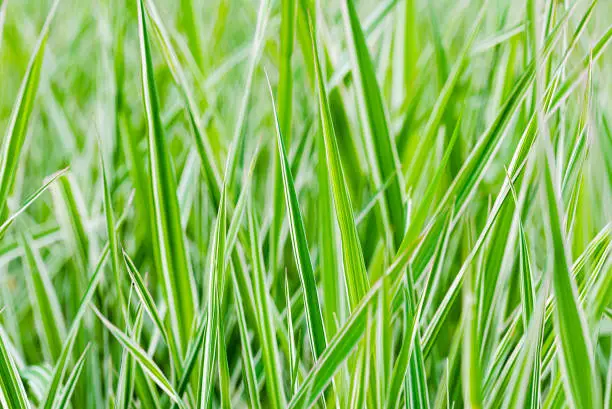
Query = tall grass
x=295 y=204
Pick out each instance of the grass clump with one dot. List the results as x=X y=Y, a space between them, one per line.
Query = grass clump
x=295 y=204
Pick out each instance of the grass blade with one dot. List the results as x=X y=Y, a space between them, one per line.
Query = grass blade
x=301 y=252
x=169 y=248
x=356 y=277
x=384 y=161
x=16 y=131
x=13 y=392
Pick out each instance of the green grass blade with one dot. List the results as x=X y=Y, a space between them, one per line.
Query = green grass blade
x=49 y=317
x=356 y=277
x=64 y=401
x=149 y=305
x=125 y=383
x=575 y=346
x=215 y=276
x=14 y=138
x=248 y=365
x=266 y=324
x=205 y=151
x=285 y=107
x=301 y=253
x=13 y=391
x=169 y=247
x=31 y=199
x=112 y=238
x=339 y=349
x=384 y=161
x=145 y=362
x=224 y=376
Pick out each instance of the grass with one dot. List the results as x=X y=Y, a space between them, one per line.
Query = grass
x=305 y=204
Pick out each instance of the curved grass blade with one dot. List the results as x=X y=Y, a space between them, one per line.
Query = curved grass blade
x=203 y=147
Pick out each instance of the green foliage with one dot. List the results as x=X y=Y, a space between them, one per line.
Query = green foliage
x=305 y=204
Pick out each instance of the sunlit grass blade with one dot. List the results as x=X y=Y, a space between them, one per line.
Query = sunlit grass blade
x=384 y=162
x=301 y=251
x=575 y=346
x=169 y=247
x=354 y=265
